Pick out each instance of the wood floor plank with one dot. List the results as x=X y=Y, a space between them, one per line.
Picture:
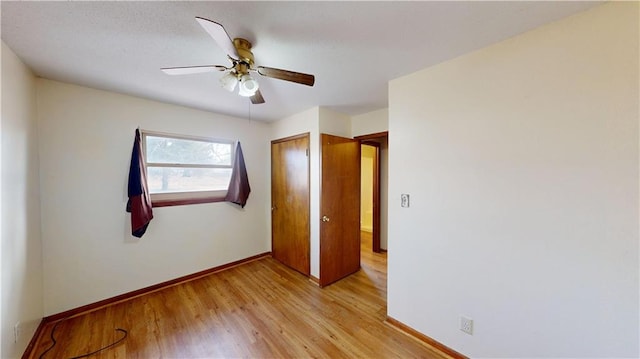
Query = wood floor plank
x=261 y=309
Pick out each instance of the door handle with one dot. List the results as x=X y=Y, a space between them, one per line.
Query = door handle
x=325 y=219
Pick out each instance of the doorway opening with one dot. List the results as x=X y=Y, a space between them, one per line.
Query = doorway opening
x=374 y=208
x=369 y=178
x=373 y=196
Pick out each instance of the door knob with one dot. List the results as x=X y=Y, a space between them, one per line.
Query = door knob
x=325 y=219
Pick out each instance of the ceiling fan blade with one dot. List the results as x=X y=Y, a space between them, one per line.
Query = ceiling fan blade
x=287 y=75
x=220 y=35
x=257 y=98
x=192 y=69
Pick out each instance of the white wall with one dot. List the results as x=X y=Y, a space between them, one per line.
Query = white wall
x=522 y=164
x=21 y=291
x=86 y=138
x=334 y=123
x=366 y=187
x=370 y=122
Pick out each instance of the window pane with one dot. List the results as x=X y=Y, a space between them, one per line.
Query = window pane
x=174 y=150
x=172 y=179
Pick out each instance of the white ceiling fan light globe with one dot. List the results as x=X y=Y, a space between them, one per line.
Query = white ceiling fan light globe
x=229 y=81
x=251 y=85
x=248 y=86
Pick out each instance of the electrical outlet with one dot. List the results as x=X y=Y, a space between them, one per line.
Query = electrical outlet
x=16 y=332
x=466 y=325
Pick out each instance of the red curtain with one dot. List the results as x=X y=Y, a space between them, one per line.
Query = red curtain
x=139 y=204
x=239 y=188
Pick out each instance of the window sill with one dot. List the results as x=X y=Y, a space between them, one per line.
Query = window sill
x=182 y=202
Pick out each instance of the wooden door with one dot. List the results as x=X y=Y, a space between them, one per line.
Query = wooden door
x=339 y=208
x=290 y=202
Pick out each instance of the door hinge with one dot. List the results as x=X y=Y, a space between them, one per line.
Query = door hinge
x=307 y=152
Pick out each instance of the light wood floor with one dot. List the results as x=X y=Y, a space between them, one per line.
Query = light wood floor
x=259 y=309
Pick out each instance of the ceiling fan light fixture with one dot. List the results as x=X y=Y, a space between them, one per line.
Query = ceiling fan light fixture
x=242 y=61
x=229 y=81
x=248 y=86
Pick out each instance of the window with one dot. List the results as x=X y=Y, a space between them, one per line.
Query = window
x=186 y=169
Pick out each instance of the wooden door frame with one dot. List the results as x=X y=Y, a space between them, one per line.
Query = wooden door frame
x=371 y=140
x=294 y=137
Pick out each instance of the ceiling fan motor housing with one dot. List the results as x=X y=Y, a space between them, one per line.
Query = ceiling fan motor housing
x=243 y=47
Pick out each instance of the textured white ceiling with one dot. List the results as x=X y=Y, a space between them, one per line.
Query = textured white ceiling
x=353 y=48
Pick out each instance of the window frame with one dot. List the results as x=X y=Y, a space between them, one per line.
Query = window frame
x=186 y=197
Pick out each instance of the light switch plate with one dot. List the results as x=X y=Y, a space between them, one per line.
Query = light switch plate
x=466 y=325
x=404 y=200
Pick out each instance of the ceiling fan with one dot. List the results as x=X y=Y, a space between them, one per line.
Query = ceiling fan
x=242 y=62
